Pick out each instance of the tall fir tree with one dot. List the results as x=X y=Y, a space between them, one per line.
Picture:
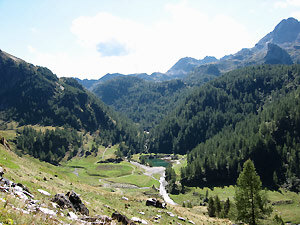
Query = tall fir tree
x=251 y=201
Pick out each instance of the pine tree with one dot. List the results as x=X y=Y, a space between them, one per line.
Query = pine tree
x=218 y=205
x=211 y=207
x=226 y=207
x=251 y=202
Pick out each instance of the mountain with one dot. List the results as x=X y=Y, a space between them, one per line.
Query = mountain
x=219 y=103
x=287 y=31
x=277 y=55
x=251 y=112
x=286 y=36
x=144 y=102
x=186 y=65
x=180 y=69
x=122 y=94
x=34 y=95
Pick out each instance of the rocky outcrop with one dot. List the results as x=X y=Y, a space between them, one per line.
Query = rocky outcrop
x=77 y=203
x=277 y=55
x=62 y=201
x=71 y=200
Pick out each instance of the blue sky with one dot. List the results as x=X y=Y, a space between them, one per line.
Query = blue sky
x=89 y=38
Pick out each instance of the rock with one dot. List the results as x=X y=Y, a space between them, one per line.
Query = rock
x=191 y=221
x=277 y=55
x=170 y=214
x=6 y=182
x=142 y=213
x=62 y=201
x=47 y=211
x=44 y=192
x=77 y=203
x=72 y=215
x=107 y=206
x=155 y=203
x=121 y=218
x=124 y=198
x=21 y=195
x=1 y=171
x=181 y=218
x=97 y=219
x=23 y=187
x=144 y=222
x=136 y=219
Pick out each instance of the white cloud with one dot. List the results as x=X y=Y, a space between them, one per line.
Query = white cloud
x=296 y=15
x=287 y=3
x=149 y=48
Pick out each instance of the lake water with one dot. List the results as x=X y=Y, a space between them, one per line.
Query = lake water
x=158 y=162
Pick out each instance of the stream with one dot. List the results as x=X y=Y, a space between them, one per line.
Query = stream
x=149 y=171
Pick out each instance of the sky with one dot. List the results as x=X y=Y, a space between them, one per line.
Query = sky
x=90 y=38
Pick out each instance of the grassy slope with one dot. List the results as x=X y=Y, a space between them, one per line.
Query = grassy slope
x=288 y=212
x=31 y=172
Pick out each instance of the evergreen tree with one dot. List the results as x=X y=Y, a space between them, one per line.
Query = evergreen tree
x=251 y=202
x=226 y=207
x=218 y=205
x=211 y=209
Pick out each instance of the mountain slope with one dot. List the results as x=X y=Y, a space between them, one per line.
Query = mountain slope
x=145 y=103
x=286 y=36
x=34 y=95
x=269 y=138
x=186 y=65
x=220 y=103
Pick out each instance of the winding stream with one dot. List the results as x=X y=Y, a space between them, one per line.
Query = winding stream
x=149 y=171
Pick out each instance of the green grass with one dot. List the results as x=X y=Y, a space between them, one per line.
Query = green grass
x=138 y=180
x=6 y=160
x=288 y=212
x=177 y=167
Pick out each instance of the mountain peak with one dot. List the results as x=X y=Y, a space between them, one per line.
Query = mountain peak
x=286 y=31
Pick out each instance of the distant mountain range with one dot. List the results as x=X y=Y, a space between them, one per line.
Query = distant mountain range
x=140 y=96
x=281 y=46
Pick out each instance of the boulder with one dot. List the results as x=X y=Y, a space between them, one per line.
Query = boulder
x=77 y=203
x=72 y=215
x=44 y=192
x=122 y=218
x=156 y=203
x=62 y=201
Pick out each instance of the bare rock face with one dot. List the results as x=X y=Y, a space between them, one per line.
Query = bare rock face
x=277 y=55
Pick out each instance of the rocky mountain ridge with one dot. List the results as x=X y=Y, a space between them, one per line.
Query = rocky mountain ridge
x=286 y=36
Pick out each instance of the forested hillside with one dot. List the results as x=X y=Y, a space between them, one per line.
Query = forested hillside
x=146 y=103
x=222 y=103
x=34 y=95
x=270 y=138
